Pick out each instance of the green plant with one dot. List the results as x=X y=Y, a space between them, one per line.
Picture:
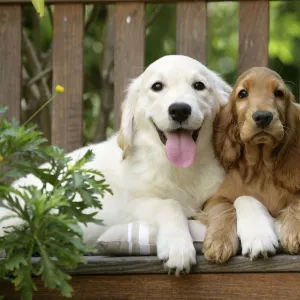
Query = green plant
x=49 y=215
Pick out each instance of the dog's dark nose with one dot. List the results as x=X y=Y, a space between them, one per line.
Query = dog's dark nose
x=262 y=118
x=180 y=111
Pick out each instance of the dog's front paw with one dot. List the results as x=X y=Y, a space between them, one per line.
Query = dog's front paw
x=290 y=235
x=220 y=247
x=258 y=241
x=255 y=228
x=258 y=238
x=177 y=251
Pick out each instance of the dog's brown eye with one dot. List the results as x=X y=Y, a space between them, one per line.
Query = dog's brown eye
x=278 y=93
x=199 y=86
x=243 y=94
x=157 y=86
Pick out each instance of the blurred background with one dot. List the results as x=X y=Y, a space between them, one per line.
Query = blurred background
x=98 y=96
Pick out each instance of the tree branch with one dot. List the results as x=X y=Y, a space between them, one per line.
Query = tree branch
x=33 y=88
x=36 y=65
x=39 y=76
x=154 y=15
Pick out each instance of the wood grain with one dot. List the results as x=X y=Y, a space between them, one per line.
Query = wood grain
x=253 y=34
x=68 y=72
x=100 y=265
x=192 y=29
x=279 y=286
x=10 y=59
x=152 y=265
x=129 y=49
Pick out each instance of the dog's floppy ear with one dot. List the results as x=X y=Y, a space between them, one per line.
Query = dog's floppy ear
x=222 y=90
x=288 y=168
x=128 y=107
x=226 y=136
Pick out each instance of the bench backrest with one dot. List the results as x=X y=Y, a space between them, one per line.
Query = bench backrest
x=68 y=24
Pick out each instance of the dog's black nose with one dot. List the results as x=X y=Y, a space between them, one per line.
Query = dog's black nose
x=262 y=118
x=180 y=111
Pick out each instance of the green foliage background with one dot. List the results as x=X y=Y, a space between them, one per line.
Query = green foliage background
x=222 y=45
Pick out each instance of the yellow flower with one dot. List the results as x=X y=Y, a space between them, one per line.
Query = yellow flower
x=1 y=157
x=59 y=89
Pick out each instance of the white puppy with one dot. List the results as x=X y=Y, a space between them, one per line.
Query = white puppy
x=166 y=169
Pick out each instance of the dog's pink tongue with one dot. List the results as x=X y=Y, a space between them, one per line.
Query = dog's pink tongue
x=180 y=148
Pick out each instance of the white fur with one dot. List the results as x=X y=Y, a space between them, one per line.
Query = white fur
x=255 y=227
x=146 y=185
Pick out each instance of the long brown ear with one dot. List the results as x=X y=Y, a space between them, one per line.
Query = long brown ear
x=125 y=134
x=226 y=135
x=287 y=170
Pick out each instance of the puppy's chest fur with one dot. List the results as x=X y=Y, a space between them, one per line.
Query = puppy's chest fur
x=155 y=177
x=257 y=179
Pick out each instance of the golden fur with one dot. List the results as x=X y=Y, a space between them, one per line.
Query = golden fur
x=262 y=163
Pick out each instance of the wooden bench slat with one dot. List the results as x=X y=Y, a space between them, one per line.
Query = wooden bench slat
x=240 y=278
x=102 y=265
x=152 y=265
x=192 y=29
x=10 y=59
x=269 y=286
x=253 y=34
x=68 y=72
x=129 y=49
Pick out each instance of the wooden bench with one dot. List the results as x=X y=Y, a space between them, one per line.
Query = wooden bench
x=144 y=278
x=140 y=277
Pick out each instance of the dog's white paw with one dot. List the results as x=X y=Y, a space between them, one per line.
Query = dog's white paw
x=256 y=243
x=177 y=251
x=255 y=228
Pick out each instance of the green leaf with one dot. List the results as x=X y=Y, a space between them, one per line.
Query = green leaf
x=77 y=180
x=39 y=6
x=86 y=196
x=53 y=277
x=13 y=262
x=88 y=156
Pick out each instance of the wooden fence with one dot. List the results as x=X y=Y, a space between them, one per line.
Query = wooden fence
x=66 y=122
